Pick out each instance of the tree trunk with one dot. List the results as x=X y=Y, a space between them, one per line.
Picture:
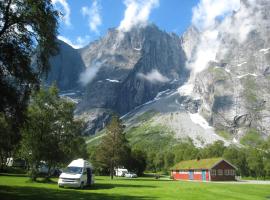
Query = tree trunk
x=33 y=172
x=48 y=176
x=111 y=170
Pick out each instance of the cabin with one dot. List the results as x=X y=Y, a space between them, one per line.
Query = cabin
x=213 y=169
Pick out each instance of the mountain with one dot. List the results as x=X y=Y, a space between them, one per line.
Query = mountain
x=67 y=65
x=130 y=69
x=165 y=86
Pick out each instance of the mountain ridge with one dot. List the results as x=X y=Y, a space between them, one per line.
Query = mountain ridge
x=146 y=69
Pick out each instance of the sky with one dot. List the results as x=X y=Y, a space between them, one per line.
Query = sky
x=83 y=21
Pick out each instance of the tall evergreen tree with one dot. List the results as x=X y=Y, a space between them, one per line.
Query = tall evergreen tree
x=114 y=150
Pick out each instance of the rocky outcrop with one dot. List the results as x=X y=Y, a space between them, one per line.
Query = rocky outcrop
x=66 y=68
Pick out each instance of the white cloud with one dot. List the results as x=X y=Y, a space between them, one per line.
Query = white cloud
x=137 y=13
x=79 y=43
x=154 y=77
x=89 y=74
x=206 y=12
x=66 y=8
x=93 y=14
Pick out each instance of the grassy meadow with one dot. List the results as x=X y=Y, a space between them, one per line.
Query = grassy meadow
x=19 y=188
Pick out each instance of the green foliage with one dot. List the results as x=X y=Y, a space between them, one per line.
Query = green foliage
x=8 y=140
x=146 y=116
x=213 y=150
x=27 y=27
x=250 y=88
x=255 y=162
x=50 y=133
x=137 y=162
x=225 y=134
x=237 y=156
x=114 y=150
x=251 y=138
x=149 y=137
x=184 y=151
x=218 y=73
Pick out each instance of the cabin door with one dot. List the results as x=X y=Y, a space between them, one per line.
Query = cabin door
x=191 y=175
x=203 y=175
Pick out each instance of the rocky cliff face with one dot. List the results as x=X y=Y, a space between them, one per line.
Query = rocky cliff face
x=129 y=70
x=66 y=68
x=234 y=89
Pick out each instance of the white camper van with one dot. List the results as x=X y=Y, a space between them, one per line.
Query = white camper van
x=79 y=173
x=120 y=171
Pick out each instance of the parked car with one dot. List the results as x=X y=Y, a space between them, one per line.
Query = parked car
x=131 y=175
x=79 y=174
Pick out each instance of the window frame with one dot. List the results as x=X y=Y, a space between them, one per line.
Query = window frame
x=220 y=172
x=213 y=172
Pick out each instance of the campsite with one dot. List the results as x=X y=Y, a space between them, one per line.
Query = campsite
x=134 y=99
x=14 y=187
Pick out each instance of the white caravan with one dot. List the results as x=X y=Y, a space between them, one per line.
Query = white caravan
x=120 y=171
x=79 y=173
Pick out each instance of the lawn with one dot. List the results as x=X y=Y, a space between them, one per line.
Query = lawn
x=19 y=188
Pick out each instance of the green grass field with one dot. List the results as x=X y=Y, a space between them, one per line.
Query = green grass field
x=19 y=188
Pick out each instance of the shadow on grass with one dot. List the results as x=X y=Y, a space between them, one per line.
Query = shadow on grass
x=146 y=179
x=101 y=186
x=33 y=193
x=15 y=175
x=45 y=180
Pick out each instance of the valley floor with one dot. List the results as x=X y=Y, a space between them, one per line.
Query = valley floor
x=18 y=187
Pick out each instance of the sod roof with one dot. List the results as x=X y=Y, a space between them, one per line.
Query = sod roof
x=197 y=164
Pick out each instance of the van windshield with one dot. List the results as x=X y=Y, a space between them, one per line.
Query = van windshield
x=74 y=170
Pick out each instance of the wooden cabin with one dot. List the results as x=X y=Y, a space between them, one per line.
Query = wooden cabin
x=213 y=169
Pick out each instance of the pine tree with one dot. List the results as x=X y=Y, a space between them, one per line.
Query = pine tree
x=114 y=150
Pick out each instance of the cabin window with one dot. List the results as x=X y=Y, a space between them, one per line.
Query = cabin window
x=231 y=172
x=226 y=172
x=213 y=172
x=220 y=172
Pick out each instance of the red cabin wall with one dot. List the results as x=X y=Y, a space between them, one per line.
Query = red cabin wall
x=207 y=175
x=197 y=175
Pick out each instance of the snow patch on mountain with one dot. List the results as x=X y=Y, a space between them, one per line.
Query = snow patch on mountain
x=113 y=81
x=264 y=50
x=240 y=64
x=248 y=74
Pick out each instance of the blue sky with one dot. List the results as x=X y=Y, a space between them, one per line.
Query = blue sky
x=83 y=21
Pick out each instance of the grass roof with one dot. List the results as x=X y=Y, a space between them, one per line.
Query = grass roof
x=197 y=164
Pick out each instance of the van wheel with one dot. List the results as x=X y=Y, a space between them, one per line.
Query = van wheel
x=81 y=186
